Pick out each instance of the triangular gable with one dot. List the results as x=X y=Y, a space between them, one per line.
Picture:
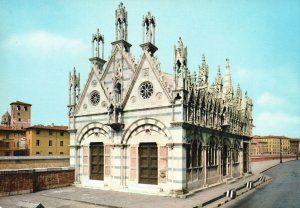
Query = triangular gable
x=146 y=73
x=84 y=105
x=122 y=60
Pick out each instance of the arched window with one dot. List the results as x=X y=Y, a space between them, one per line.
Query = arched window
x=194 y=153
x=211 y=154
x=193 y=160
x=200 y=154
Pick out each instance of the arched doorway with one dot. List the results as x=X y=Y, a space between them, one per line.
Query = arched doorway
x=148 y=163
x=96 y=161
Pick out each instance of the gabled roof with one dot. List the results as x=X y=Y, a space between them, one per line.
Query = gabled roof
x=19 y=102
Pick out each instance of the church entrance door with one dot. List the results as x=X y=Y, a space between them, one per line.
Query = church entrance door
x=224 y=159
x=148 y=170
x=97 y=161
x=245 y=157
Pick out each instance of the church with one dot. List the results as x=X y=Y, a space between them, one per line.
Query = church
x=136 y=128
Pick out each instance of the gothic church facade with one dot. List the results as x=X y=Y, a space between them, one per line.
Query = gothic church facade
x=136 y=127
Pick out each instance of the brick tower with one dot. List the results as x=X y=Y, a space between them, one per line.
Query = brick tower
x=20 y=115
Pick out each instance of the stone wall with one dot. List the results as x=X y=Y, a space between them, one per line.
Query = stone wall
x=24 y=162
x=270 y=157
x=13 y=182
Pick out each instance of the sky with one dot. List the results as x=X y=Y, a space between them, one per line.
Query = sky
x=41 y=41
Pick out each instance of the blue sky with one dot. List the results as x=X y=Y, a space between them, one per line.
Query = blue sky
x=41 y=41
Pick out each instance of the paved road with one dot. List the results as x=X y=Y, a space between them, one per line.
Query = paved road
x=283 y=191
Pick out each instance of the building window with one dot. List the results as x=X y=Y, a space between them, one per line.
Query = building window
x=38 y=131
x=50 y=133
x=19 y=119
x=19 y=114
x=235 y=153
x=193 y=161
x=7 y=144
x=25 y=108
x=37 y=153
x=50 y=153
x=7 y=135
x=6 y=153
x=50 y=143
x=61 y=153
x=18 y=108
x=211 y=154
x=61 y=143
x=37 y=142
x=61 y=133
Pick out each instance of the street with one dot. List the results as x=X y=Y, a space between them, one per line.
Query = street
x=282 y=191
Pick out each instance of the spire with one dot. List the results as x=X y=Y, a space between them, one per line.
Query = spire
x=99 y=39
x=121 y=23
x=227 y=81
x=180 y=65
x=219 y=80
x=149 y=28
x=180 y=56
x=97 y=43
x=238 y=93
x=74 y=89
x=149 y=24
x=121 y=28
x=203 y=72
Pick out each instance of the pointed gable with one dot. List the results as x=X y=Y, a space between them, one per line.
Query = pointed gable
x=93 y=98
x=120 y=68
x=150 y=88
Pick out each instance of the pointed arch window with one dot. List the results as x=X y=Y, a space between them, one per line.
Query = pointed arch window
x=193 y=160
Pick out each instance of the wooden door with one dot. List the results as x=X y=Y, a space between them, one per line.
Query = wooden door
x=245 y=157
x=148 y=170
x=97 y=161
x=224 y=159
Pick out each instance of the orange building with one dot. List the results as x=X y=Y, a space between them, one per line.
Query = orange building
x=12 y=142
x=270 y=145
x=47 y=140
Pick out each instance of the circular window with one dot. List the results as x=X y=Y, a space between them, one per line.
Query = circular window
x=146 y=90
x=95 y=98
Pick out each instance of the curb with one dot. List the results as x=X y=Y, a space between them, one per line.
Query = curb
x=260 y=180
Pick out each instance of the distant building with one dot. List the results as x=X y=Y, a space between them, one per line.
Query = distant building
x=20 y=115
x=12 y=129
x=295 y=145
x=270 y=145
x=259 y=146
x=6 y=118
x=12 y=142
x=47 y=140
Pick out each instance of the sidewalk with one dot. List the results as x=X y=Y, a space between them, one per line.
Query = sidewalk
x=91 y=198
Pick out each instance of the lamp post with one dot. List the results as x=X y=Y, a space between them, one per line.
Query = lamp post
x=280 y=152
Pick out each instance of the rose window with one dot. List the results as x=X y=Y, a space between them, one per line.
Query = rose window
x=95 y=98
x=146 y=90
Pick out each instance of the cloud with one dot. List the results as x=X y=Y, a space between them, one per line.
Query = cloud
x=277 y=118
x=267 y=99
x=44 y=42
x=276 y=123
